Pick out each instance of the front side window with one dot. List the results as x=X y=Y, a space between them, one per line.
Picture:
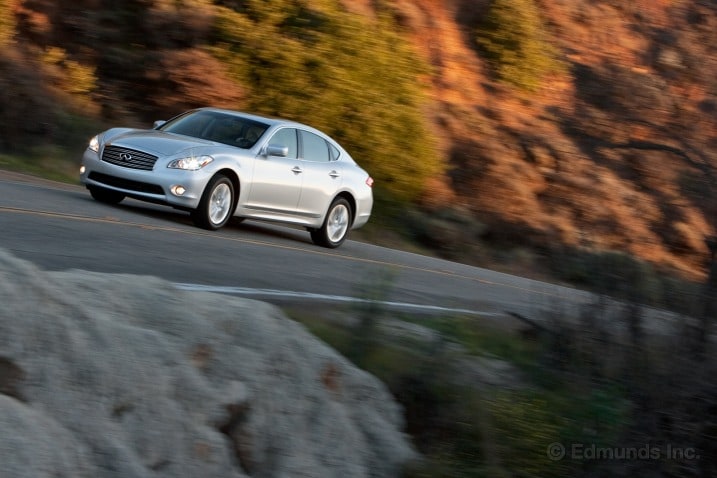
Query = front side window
x=315 y=147
x=286 y=137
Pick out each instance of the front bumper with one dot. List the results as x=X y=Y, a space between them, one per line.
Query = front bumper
x=153 y=186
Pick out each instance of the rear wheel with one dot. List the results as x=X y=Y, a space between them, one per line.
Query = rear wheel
x=336 y=225
x=106 y=196
x=217 y=203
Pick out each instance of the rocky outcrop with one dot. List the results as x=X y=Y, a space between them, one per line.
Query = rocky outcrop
x=126 y=376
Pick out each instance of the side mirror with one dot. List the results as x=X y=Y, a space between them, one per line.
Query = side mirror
x=277 y=150
x=158 y=123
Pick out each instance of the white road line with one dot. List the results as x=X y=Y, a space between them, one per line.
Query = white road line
x=247 y=291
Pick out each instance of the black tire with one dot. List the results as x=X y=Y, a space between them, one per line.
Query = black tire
x=336 y=226
x=106 y=196
x=217 y=204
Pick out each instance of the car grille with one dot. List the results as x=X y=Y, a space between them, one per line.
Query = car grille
x=127 y=184
x=128 y=158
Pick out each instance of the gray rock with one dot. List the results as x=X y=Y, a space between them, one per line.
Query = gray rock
x=33 y=444
x=126 y=376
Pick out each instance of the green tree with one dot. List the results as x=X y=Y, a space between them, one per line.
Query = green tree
x=514 y=40
x=353 y=77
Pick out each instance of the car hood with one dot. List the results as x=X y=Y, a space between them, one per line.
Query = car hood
x=158 y=143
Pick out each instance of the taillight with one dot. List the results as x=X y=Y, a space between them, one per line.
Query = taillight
x=369 y=181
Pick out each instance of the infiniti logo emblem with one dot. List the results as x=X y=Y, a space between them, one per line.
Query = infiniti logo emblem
x=125 y=156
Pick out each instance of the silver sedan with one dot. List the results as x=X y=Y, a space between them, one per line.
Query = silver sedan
x=219 y=163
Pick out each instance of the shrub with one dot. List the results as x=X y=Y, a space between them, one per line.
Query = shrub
x=514 y=40
x=26 y=110
x=352 y=77
x=69 y=75
x=7 y=21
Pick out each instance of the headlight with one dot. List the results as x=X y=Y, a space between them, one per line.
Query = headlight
x=191 y=164
x=95 y=144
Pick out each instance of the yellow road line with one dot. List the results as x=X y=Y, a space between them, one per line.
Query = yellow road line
x=195 y=232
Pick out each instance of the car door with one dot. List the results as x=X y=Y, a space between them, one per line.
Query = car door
x=322 y=174
x=276 y=180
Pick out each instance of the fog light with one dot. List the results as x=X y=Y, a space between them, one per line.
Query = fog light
x=82 y=169
x=178 y=190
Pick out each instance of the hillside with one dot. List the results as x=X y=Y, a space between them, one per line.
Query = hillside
x=614 y=150
x=617 y=153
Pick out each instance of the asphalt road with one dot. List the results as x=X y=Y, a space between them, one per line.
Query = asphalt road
x=58 y=226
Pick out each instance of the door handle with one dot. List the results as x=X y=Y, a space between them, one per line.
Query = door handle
x=334 y=174
x=297 y=170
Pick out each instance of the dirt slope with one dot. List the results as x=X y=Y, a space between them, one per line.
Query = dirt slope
x=617 y=153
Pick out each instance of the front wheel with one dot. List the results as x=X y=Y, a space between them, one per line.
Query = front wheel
x=336 y=225
x=215 y=207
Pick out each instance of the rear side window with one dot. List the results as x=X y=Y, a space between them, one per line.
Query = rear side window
x=315 y=148
x=334 y=152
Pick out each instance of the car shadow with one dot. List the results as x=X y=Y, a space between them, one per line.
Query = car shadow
x=167 y=213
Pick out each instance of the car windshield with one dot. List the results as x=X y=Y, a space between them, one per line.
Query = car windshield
x=223 y=128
